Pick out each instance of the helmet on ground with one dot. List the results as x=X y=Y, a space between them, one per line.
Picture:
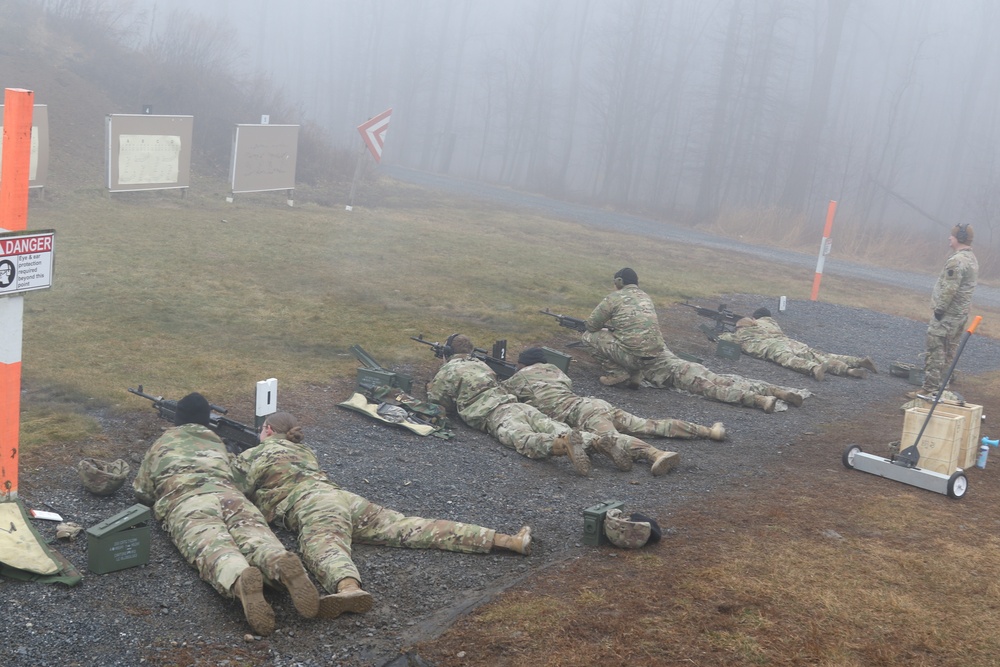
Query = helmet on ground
x=630 y=532
x=103 y=478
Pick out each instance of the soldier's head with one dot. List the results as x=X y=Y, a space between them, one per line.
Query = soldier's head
x=625 y=277
x=282 y=424
x=531 y=356
x=458 y=344
x=193 y=409
x=761 y=312
x=961 y=235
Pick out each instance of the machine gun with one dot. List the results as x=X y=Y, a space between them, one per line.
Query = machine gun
x=238 y=437
x=574 y=323
x=725 y=319
x=497 y=360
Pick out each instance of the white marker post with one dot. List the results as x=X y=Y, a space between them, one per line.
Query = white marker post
x=824 y=248
x=267 y=400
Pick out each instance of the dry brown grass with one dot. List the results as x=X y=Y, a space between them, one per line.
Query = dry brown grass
x=824 y=566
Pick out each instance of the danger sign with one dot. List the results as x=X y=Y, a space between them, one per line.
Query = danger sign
x=26 y=261
x=373 y=132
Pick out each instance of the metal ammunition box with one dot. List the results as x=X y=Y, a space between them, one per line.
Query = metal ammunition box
x=368 y=378
x=728 y=350
x=689 y=357
x=119 y=542
x=593 y=521
x=558 y=359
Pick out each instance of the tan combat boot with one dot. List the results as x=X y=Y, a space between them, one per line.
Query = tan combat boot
x=857 y=373
x=717 y=432
x=294 y=577
x=789 y=397
x=519 y=543
x=571 y=445
x=664 y=463
x=765 y=403
x=819 y=372
x=607 y=444
x=349 y=598
x=614 y=378
x=869 y=364
x=249 y=588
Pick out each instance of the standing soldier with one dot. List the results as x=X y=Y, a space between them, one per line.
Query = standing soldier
x=950 y=303
x=282 y=476
x=547 y=388
x=761 y=337
x=186 y=477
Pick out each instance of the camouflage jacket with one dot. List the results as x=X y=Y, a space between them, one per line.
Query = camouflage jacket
x=469 y=387
x=762 y=337
x=630 y=312
x=185 y=461
x=545 y=387
x=276 y=473
x=953 y=289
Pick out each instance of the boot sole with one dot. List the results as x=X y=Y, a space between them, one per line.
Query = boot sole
x=257 y=611
x=353 y=602
x=577 y=455
x=293 y=575
x=665 y=464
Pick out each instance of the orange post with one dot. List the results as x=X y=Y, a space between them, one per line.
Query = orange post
x=824 y=248
x=14 y=178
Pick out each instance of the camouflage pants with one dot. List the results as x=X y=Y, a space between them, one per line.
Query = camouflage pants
x=221 y=534
x=612 y=356
x=942 y=342
x=805 y=360
x=525 y=430
x=598 y=417
x=329 y=520
x=669 y=370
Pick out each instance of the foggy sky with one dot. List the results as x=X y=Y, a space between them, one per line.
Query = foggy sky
x=687 y=108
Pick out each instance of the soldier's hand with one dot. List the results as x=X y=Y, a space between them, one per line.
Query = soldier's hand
x=938 y=314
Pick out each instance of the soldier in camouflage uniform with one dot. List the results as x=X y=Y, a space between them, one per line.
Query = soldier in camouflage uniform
x=761 y=337
x=623 y=333
x=469 y=387
x=284 y=479
x=950 y=303
x=670 y=371
x=547 y=388
x=186 y=477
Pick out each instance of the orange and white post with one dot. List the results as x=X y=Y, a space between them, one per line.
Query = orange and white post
x=14 y=178
x=824 y=247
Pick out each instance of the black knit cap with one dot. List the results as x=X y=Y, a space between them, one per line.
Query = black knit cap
x=654 y=528
x=628 y=276
x=193 y=409
x=761 y=312
x=531 y=355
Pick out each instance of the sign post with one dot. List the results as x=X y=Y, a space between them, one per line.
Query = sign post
x=373 y=132
x=824 y=248
x=14 y=178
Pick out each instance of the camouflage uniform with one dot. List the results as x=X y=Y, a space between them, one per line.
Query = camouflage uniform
x=764 y=339
x=670 y=371
x=186 y=477
x=952 y=296
x=469 y=387
x=636 y=339
x=285 y=480
x=550 y=390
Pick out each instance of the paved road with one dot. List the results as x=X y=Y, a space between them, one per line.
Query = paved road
x=599 y=218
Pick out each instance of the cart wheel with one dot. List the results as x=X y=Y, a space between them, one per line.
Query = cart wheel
x=848 y=458
x=958 y=484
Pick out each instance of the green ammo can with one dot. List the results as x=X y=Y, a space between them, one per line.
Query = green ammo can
x=119 y=542
x=557 y=359
x=593 y=521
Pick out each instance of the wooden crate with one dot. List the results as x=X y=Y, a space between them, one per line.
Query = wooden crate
x=941 y=441
x=970 y=435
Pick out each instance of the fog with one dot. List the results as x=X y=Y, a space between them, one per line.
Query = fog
x=688 y=109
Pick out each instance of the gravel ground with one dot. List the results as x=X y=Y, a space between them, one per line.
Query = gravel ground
x=162 y=614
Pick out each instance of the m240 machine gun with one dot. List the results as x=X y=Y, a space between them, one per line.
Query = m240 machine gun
x=497 y=360
x=725 y=319
x=574 y=323
x=238 y=437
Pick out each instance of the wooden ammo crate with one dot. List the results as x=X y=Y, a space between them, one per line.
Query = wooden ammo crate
x=941 y=442
x=970 y=435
